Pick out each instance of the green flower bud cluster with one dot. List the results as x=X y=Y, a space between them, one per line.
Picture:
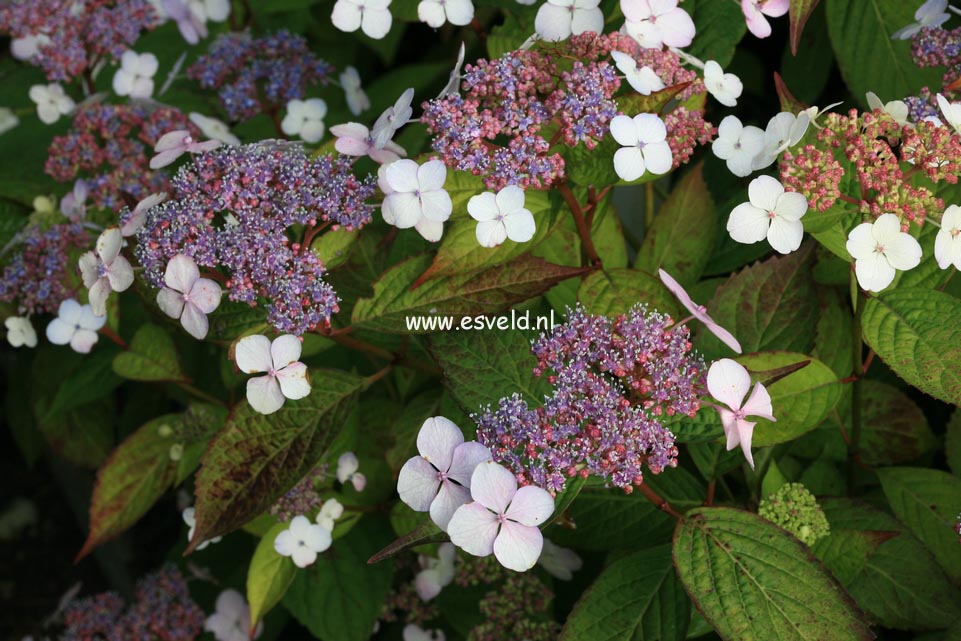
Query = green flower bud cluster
x=796 y=510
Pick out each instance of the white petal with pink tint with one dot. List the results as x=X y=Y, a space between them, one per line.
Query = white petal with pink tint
x=473 y=528
x=531 y=506
x=293 y=381
x=517 y=546
x=467 y=456
x=264 y=395
x=493 y=486
x=418 y=483
x=252 y=354
x=450 y=497
x=285 y=350
x=728 y=381
x=437 y=439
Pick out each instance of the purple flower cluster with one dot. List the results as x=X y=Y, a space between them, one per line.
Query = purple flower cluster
x=302 y=498
x=259 y=75
x=233 y=208
x=613 y=382
x=163 y=610
x=74 y=36
x=36 y=277
x=936 y=47
x=109 y=146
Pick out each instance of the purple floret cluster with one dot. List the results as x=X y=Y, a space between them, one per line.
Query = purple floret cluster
x=233 y=208
x=37 y=275
x=614 y=382
x=259 y=75
x=936 y=47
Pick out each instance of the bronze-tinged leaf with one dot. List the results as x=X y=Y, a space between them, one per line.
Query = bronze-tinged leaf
x=798 y=13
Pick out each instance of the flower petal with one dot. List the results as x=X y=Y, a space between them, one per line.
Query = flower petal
x=194 y=321
x=285 y=350
x=170 y=302
x=520 y=225
x=181 y=273
x=531 y=506
x=491 y=233
x=205 y=294
x=764 y=192
x=518 y=547
x=874 y=272
x=748 y=224
x=473 y=528
x=483 y=207
x=264 y=395
x=448 y=499
x=493 y=486
x=759 y=403
x=785 y=235
x=252 y=354
x=436 y=441
x=728 y=381
x=467 y=456
x=417 y=484
x=293 y=381
x=629 y=163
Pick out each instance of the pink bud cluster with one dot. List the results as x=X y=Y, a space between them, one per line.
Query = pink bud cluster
x=814 y=173
x=686 y=129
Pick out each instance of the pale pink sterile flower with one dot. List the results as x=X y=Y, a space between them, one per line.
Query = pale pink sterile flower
x=413 y=632
x=139 y=214
x=502 y=518
x=947 y=244
x=75 y=325
x=214 y=129
x=880 y=249
x=560 y=563
x=501 y=216
x=347 y=466
x=644 y=146
x=415 y=196
x=134 y=78
x=784 y=130
x=644 y=81
x=738 y=145
x=286 y=377
x=729 y=382
x=187 y=296
x=951 y=111
x=353 y=139
x=392 y=119
x=106 y=270
x=436 y=574
x=699 y=311
x=772 y=213
x=755 y=11
x=357 y=100
x=560 y=19
x=654 y=23
x=174 y=144
x=302 y=541
x=74 y=204
x=27 y=47
x=930 y=14
x=436 y=12
x=192 y=27
x=439 y=479
x=230 y=620
x=370 y=16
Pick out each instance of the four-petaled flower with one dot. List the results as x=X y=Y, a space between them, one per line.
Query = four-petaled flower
x=951 y=111
x=357 y=100
x=415 y=196
x=436 y=12
x=413 y=632
x=393 y=118
x=699 y=311
x=75 y=325
x=947 y=244
x=897 y=109
x=558 y=20
x=302 y=541
x=305 y=118
x=728 y=382
x=725 y=87
x=134 y=78
x=74 y=205
x=771 y=213
x=738 y=145
x=286 y=376
x=930 y=14
x=20 y=331
x=560 y=563
x=654 y=23
x=371 y=16
x=783 y=131
x=214 y=129
x=347 y=466
x=51 y=101
x=502 y=518
x=755 y=11
x=329 y=512
x=174 y=144
x=190 y=519
x=139 y=214
x=439 y=479
x=187 y=296
x=106 y=270
x=644 y=146
x=436 y=574
x=353 y=139
x=231 y=618
x=501 y=216
x=880 y=249
x=644 y=81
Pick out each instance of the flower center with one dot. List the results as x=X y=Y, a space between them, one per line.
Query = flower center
x=441 y=476
x=502 y=518
x=772 y=215
x=955 y=232
x=879 y=249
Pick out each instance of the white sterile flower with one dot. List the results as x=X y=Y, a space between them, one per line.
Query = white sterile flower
x=347 y=466
x=27 y=47
x=644 y=80
x=371 y=16
x=729 y=382
x=772 y=213
x=502 y=519
x=725 y=87
x=951 y=111
x=644 y=146
x=897 y=109
x=74 y=205
x=453 y=81
x=139 y=214
x=213 y=10
x=655 y=23
x=947 y=244
x=783 y=131
x=174 y=144
x=413 y=632
x=231 y=618
x=393 y=118
x=930 y=14
x=106 y=270
x=880 y=249
x=813 y=112
x=191 y=26
x=560 y=19
x=305 y=118
x=20 y=331
x=353 y=139
x=187 y=296
x=436 y=12
x=134 y=78
x=414 y=195
x=214 y=129
x=302 y=541
x=190 y=519
x=8 y=119
x=502 y=216
x=52 y=102
x=329 y=512
x=286 y=376
x=357 y=100
x=75 y=325
x=738 y=145
x=439 y=479
x=560 y=563
x=436 y=574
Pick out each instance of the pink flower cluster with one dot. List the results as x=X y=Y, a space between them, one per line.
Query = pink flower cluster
x=37 y=277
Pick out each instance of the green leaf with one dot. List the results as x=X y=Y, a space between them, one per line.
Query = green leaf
x=636 y=598
x=915 y=332
x=615 y=291
x=255 y=458
x=141 y=469
x=487 y=291
x=704 y=426
x=769 y=305
x=340 y=597
x=482 y=367
x=683 y=235
x=834 y=345
x=900 y=585
x=927 y=501
x=407 y=424
x=151 y=357
x=90 y=381
x=268 y=576
x=426 y=532
x=799 y=12
x=869 y=59
x=232 y=320
x=952 y=442
x=753 y=581
x=847 y=552
x=894 y=429
x=333 y=246
x=720 y=26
